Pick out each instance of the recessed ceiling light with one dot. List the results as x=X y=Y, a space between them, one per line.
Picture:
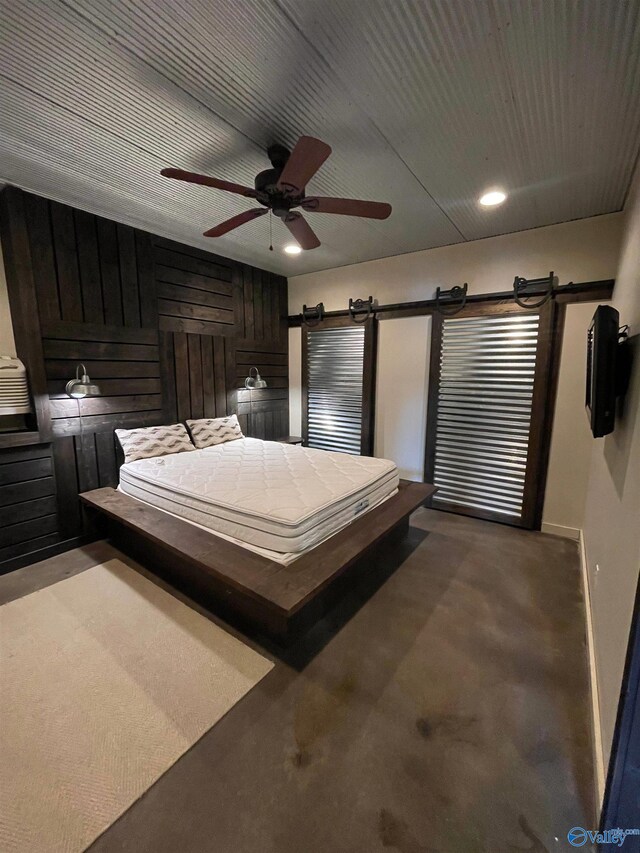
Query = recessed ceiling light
x=492 y=198
x=292 y=249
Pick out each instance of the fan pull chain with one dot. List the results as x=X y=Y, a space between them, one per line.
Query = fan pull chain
x=270 y=231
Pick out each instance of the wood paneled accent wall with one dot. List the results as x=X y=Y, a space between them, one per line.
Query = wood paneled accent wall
x=167 y=331
x=28 y=505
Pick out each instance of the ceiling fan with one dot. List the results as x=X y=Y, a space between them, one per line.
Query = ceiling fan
x=282 y=188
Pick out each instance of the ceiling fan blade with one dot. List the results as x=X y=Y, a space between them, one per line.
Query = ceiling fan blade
x=232 y=223
x=205 y=180
x=301 y=230
x=347 y=207
x=304 y=161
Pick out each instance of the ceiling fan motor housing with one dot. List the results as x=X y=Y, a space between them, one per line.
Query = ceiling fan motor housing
x=266 y=183
x=267 y=179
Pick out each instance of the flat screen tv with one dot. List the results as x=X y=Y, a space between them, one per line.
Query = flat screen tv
x=602 y=355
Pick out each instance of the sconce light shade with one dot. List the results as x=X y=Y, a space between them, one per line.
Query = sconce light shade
x=254 y=381
x=82 y=386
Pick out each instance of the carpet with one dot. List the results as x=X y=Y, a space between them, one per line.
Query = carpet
x=105 y=681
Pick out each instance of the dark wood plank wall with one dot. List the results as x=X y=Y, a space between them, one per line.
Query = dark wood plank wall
x=168 y=331
x=229 y=319
x=28 y=506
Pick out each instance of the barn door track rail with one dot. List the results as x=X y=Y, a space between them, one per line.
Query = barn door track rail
x=540 y=289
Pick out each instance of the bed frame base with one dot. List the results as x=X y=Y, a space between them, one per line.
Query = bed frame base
x=239 y=585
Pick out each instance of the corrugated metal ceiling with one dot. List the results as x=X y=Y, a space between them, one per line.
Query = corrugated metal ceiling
x=425 y=104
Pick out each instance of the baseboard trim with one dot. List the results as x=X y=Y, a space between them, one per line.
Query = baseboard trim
x=593 y=677
x=561 y=530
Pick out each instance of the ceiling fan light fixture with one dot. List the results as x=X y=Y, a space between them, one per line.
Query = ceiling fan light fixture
x=492 y=198
x=292 y=249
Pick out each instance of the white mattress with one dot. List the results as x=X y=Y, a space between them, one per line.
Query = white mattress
x=274 y=496
x=278 y=556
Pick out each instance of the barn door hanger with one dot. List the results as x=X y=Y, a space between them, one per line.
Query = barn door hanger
x=313 y=316
x=454 y=300
x=361 y=309
x=523 y=287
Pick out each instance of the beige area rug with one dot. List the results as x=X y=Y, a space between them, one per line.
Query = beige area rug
x=105 y=681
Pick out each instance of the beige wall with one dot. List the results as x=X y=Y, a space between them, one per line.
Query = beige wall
x=577 y=251
x=612 y=513
x=7 y=344
x=571 y=442
x=585 y=250
x=402 y=377
x=295 y=382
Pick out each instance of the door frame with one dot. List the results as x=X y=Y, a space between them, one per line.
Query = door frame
x=368 y=376
x=550 y=329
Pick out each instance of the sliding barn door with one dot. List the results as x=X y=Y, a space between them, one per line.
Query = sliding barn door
x=338 y=363
x=489 y=412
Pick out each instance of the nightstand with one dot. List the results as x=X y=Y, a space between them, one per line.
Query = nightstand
x=290 y=439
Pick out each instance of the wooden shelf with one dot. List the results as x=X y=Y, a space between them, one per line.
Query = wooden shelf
x=20 y=439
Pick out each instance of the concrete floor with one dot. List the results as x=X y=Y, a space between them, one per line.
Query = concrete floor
x=443 y=707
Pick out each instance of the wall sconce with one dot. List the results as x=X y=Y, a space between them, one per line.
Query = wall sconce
x=78 y=389
x=254 y=381
x=81 y=386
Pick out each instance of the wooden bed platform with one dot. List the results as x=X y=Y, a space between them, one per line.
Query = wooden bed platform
x=239 y=584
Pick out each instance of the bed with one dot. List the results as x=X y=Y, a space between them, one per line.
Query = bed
x=255 y=529
x=276 y=499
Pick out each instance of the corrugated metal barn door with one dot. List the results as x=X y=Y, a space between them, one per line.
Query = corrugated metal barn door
x=487 y=402
x=338 y=363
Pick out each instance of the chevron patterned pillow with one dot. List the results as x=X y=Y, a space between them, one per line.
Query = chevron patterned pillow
x=153 y=441
x=209 y=431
